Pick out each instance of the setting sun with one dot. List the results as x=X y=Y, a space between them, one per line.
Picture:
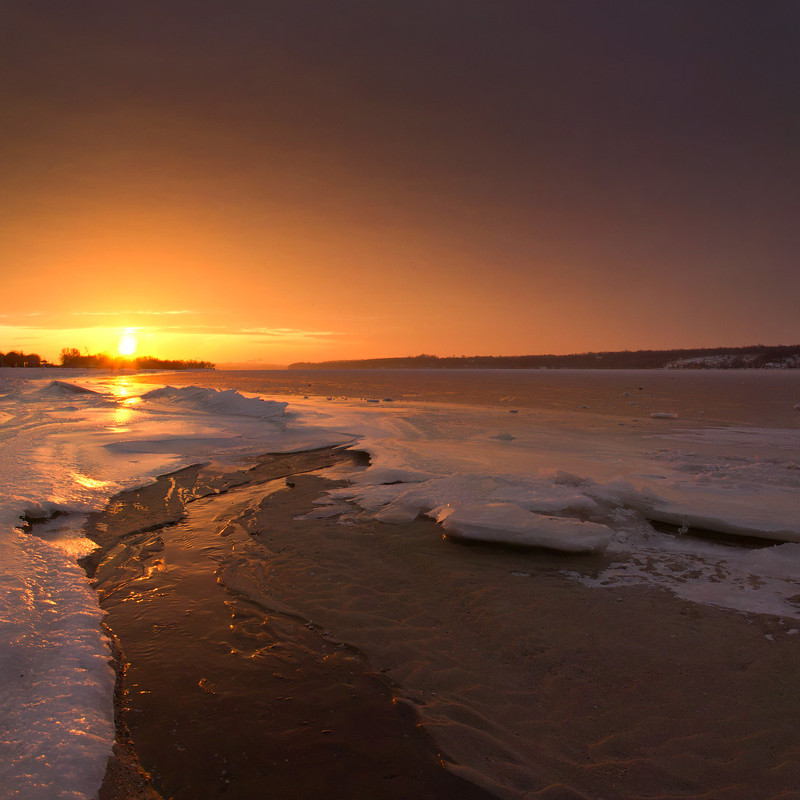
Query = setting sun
x=127 y=344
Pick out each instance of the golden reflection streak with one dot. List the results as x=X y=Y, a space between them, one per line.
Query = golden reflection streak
x=87 y=482
x=121 y=390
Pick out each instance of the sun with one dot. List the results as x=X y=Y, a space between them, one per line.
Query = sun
x=127 y=344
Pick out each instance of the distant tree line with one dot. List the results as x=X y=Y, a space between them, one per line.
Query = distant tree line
x=13 y=358
x=752 y=357
x=72 y=357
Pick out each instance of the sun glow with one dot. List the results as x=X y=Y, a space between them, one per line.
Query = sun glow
x=127 y=344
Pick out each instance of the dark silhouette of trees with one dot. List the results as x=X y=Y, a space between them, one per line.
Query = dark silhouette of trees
x=69 y=356
x=72 y=357
x=13 y=358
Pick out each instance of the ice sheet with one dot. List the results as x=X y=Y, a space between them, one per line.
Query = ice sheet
x=493 y=470
x=536 y=477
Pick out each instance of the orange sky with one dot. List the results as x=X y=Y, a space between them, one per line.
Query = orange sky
x=307 y=181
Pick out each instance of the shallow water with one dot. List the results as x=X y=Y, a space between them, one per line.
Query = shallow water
x=226 y=699
x=531 y=684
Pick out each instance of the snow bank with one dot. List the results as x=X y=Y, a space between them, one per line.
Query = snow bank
x=56 y=687
x=59 y=390
x=216 y=401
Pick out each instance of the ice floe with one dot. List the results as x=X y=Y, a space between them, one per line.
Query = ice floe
x=507 y=523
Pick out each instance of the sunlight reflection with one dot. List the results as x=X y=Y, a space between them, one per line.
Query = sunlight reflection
x=122 y=416
x=87 y=482
x=122 y=391
x=66 y=534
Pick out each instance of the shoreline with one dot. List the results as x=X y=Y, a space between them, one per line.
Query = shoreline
x=532 y=683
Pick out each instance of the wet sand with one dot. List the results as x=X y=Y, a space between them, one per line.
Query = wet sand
x=217 y=698
x=275 y=656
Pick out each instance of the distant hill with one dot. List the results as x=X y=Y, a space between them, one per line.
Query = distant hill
x=753 y=357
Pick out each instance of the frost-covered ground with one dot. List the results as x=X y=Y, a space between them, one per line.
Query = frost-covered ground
x=64 y=450
x=561 y=476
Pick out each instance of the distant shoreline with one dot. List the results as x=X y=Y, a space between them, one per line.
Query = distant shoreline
x=751 y=357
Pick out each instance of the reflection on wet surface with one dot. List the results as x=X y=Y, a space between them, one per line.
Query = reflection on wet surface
x=225 y=699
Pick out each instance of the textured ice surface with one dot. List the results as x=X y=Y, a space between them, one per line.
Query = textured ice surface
x=497 y=474
x=507 y=523
x=537 y=477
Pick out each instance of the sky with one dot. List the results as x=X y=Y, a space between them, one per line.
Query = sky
x=270 y=181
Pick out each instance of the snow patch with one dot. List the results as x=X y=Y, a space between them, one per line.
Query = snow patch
x=216 y=401
x=506 y=523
